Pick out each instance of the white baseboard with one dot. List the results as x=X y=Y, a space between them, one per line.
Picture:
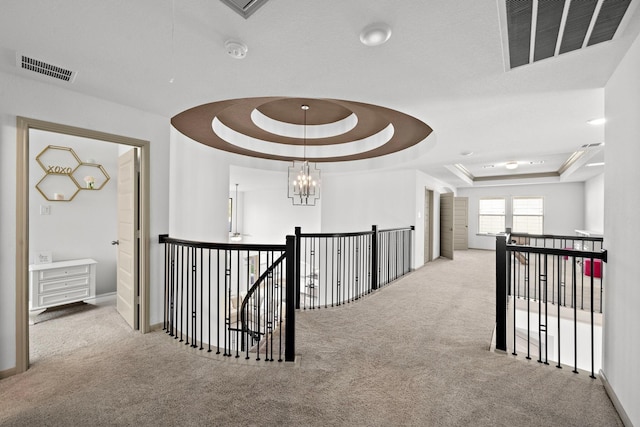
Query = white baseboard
x=614 y=399
x=102 y=299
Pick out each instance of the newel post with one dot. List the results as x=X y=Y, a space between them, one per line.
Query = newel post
x=290 y=324
x=374 y=258
x=296 y=276
x=501 y=292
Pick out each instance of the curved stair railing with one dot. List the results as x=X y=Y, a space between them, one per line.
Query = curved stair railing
x=263 y=312
x=339 y=268
x=242 y=298
x=204 y=286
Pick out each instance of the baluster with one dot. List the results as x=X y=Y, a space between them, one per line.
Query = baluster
x=575 y=317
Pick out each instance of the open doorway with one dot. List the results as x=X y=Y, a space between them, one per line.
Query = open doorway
x=428 y=225
x=25 y=128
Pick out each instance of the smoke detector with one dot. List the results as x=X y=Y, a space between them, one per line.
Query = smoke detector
x=236 y=49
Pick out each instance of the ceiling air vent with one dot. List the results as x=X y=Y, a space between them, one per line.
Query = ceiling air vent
x=540 y=29
x=41 y=67
x=244 y=7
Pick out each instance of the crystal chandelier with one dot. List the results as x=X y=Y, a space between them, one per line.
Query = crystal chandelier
x=304 y=178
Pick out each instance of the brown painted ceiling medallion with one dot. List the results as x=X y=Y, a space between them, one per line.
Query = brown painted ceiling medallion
x=273 y=128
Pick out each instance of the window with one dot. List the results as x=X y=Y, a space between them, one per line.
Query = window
x=491 y=216
x=528 y=215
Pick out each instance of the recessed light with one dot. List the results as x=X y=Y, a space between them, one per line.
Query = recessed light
x=375 y=34
x=596 y=122
x=511 y=165
x=466 y=153
x=595 y=164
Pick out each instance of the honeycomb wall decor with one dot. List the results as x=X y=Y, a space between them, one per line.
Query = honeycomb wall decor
x=65 y=175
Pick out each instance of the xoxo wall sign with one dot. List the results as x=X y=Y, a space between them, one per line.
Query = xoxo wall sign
x=64 y=171
x=59 y=170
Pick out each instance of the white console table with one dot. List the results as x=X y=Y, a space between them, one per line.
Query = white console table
x=59 y=283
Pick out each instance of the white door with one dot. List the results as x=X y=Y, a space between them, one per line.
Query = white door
x=461 y=223
x=446 y=225
x=127 y=276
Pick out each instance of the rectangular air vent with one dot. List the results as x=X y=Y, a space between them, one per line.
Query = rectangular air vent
x=244 y=7
x=44 y=68
x=540 y=29
x=598 y=144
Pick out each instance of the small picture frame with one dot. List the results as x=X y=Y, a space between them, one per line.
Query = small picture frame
x=43 y=257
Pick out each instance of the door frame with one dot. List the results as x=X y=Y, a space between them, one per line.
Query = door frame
x=23 y=125
x=428 y=195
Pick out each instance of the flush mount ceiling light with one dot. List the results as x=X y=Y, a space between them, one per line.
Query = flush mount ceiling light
x=375 y=34
x=596 y=122
x=236 y=49
x=511 y=165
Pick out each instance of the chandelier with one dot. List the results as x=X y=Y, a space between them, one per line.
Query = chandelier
x=304 y=178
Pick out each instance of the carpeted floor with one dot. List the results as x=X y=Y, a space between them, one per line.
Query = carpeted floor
x=415 y=353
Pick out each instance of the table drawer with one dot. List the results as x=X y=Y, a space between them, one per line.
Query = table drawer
x=61 y=285
x=63 y=297
x=56 y=273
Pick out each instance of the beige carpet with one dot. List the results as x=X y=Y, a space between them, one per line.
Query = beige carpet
x=413 y=354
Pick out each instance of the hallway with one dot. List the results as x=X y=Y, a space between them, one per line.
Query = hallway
x=414 y=353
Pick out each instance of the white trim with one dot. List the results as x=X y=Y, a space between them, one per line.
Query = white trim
x=614 y=399
x=103 y=299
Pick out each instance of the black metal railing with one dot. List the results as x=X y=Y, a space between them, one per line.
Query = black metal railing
x=394 y=250
x=231 y=298
x=553 y=285
x=240 y=299
x=527 y=264
x=338 y=268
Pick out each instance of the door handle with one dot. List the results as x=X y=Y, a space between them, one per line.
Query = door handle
x=115 y=242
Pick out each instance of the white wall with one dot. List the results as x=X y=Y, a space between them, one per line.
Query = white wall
x=563 y=208
x=55 y=103
x=594 y=204
x=199 y=191
x=622 y=204
x=269 y=216
x=85 y=226
x=388 y=199
x=355 y=202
